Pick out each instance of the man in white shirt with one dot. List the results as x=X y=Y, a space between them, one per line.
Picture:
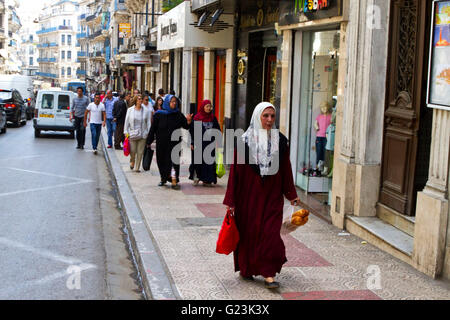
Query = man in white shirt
x=97 y=119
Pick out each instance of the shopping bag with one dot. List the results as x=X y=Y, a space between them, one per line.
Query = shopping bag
x=228 y=235
x=293 y=218
x=147 y=161
x=126 y=147
x=220 y=168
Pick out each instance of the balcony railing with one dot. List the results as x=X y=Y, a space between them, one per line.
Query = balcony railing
x=91 y=17
x=53 y=29
x=46 y=74
x=81 y=72
x=95 y=34
x=81 y=35
x=46 y=59
x=81 y=54
x=82 y=16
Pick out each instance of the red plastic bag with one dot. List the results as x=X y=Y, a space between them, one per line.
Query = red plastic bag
x=228 y=236
x=126 y=147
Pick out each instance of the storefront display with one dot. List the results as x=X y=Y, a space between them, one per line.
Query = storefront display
x=317 y=82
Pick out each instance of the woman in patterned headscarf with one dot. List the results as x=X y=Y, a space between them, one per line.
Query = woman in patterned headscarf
x=259 y=180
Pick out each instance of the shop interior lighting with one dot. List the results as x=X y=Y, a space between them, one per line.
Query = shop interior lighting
x=216 y=16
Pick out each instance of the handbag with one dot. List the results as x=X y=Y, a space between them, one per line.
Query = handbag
x=126 y=147
x=147 y=161
x=220 y=168
x=228 y=235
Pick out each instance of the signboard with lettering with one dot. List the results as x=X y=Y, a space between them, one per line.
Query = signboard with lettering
x=179 y=28
x=135 y=58
x=296 y=11
x=124 y=30
x=200 y=4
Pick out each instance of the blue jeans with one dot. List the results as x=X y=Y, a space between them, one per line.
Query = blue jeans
x=320 y=148
x=111 y=126
x=96 y=130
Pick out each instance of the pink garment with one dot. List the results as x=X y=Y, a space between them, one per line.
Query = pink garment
x=324 y=121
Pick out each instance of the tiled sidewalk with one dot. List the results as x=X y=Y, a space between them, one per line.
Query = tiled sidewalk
x=322 y=262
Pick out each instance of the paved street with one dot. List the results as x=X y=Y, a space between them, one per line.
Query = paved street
x=59 y=220
x=323 y=262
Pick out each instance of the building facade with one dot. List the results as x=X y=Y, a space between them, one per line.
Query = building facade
x=58 y=25
x=9 y=37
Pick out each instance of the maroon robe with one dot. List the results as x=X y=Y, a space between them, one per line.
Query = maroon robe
x=258 y=204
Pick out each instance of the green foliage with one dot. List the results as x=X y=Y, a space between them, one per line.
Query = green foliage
x=168 y=5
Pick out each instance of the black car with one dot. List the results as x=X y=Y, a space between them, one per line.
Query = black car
x=2 y=120
x=14 y=105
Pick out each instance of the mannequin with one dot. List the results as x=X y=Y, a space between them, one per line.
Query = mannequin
x=329 y=148
x=323 y=121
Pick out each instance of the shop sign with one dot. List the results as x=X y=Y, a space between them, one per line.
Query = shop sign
x=200 y=4
x=178 y=28
x=135 y=58
x=295 y=11
x=124 y=30
x=263 y=17
x=438 y=95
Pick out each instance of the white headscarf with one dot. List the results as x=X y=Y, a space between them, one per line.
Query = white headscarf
x=257 y=139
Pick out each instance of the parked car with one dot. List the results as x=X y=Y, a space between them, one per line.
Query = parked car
x=53 y=112
x=14 y=105
x=23 y=84
x=2 y=120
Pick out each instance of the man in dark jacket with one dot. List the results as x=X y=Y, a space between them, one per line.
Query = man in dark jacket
x=119 y=114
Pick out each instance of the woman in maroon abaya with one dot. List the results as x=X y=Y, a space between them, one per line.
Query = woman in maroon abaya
x=260 y=177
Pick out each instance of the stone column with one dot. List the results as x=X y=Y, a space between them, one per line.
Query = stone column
x=229 y=83
x=360 y=115
x=187 y=80
x=208 y=91
x=286 y=82
x=432 y=210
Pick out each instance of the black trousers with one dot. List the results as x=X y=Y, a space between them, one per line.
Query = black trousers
x=80 y=131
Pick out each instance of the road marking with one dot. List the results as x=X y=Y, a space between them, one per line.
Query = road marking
x=23 y=157
x=49 y=174
x=43 y=188
x=41 y=252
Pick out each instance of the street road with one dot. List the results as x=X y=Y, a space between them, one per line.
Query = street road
x=61 y=234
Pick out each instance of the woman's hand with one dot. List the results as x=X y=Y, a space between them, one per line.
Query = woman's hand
x=230 y=209
x=189 y=118
x=295 y=202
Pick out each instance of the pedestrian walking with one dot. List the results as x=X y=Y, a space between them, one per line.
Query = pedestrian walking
x=137 y=127
x=79 y=105
x=158 y=104
x=165 y=122
x=161 y=93
x=119 y=114
x=255 y=192
x=146 y=104
x=152 y=98
x=203 y=171
x=109 y=102
x=97 y=119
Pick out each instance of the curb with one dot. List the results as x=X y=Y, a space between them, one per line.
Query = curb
x=156 y=279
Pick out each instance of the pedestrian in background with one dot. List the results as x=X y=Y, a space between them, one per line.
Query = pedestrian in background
x=137 y=127
x=119 y=114
x=146 y=103
x=255 y=192
x=165 y=122
x=158 y=104
x=152 y=99
x=79 y=105
x=97 y=119
x=202 y=171
x=161 y=93
x=110 y=124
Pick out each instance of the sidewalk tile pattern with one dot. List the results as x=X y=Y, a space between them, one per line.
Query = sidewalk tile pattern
x=322 y=264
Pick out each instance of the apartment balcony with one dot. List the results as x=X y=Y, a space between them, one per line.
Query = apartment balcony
x=45 y=60
x=82 y=16
x=95 y=34
x=81 y=35
x=46 y=75
x=82 y=54
x=54 y=29
x=81 y=72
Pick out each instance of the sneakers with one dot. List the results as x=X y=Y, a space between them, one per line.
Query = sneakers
x=95 y=151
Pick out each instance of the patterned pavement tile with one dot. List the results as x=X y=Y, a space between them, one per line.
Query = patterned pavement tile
x=212 y=210
x=189 y=189
x=299 y=255
x=332 y=295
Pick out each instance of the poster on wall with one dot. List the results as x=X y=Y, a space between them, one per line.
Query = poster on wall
x=439 y=66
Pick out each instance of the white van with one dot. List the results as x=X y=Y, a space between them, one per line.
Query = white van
x=23 y=84
x=53 y=112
